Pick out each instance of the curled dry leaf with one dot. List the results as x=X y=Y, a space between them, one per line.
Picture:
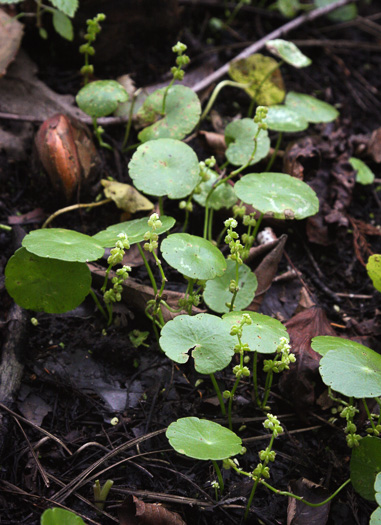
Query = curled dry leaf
x=11 y=32
x=298 y=513
x=126 y=197
x=215 y=141
x=374 y=146
x=300 y=381
x=300 y=155
x=267 y=269
x=133 y=511
x=67 y=152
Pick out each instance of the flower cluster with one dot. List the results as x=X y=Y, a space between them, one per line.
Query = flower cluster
x=232 y=239
x=115 y=293
x=181 y=61
x=117 y=253
x=260 y=115
x=282 y=360
x=272 y=423
x=154 y=223
x=93 y=28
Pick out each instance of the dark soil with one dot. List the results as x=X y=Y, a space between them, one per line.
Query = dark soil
x=77 y=377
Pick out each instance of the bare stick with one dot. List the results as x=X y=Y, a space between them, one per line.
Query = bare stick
x=286 y=28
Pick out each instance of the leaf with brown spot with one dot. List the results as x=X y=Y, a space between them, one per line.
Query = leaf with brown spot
x=133 y=511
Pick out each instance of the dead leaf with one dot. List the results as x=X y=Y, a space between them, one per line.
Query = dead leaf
x=266 y=270
x=215 y=141
x=16 y=139
x=133 y=511
x=300 y=514
x=299 y=383
x=11 y=33
x=126 y=197
x=374 y=146
x=32 y=217
x=300 y=155
x=22 y=93
x=34 y=409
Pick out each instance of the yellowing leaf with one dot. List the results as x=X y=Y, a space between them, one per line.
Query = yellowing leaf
x=265 y=82
x=126 y=197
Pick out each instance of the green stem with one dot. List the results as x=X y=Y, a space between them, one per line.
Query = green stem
x=5 y=227
x=216 y=92
x=219 y=475
x=300 y=498
x=269 y=381
x=255 y=377
x=148 y=268
x=161 y=208
x=255 y=231
x=230 y=404
x=236 y=287
x=258 y=478
x=99 y=135
x=210 y=225
x=98 y=304
x=276 y=149
x=251 y=108
x=165 y=96
x=219 y=395
x=129 y=123
x=368 y=413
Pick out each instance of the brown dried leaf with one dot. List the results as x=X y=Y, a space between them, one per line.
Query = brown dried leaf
x=134 y=511
x=374 y=146
x=215 y=141
x=266 y=271
x=300 y=155
x=299 y=382
x=300 y=514
x=11 y=33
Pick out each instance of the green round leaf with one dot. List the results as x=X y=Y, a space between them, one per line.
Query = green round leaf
x=288 y=8
x=343 y=14
x=202 y=439
x=348 y=367
x=365 y=465
x=239 y=137
x=222 y=197
x=284 y=119
x=69 y=7
x=217 y=293
x=66 y=245
x=262 y=335
x=375 y=517
x=46 y=285
x=165 y=167
x=374 y=270
x=193 y=256
x=377 y=488
x=278 y=195
x=264 y=79
x=364 y=174
x=311 y=108
x=134 y=230
x=205 y=336
x=101 y=98
x=59 y=516
x=63 y=26
x=182 y=113
x=288 y=52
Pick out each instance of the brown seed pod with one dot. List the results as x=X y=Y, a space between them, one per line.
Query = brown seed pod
x=67 y=153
